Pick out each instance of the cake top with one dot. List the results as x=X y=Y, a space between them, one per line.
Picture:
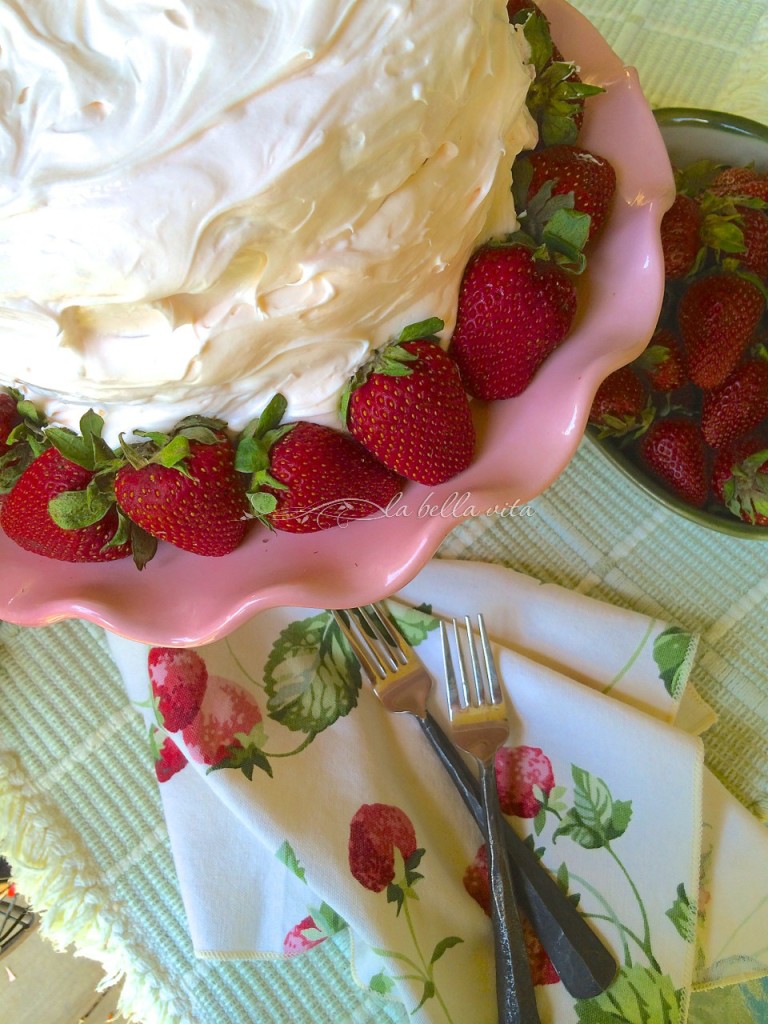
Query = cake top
x=204 y=204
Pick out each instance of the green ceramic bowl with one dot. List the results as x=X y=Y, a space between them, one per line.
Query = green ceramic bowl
x=690 y=134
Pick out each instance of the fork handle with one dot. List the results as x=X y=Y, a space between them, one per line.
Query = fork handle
x=515 y=994
x=585 y=966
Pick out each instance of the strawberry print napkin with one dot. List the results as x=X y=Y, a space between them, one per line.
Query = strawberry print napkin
x=298 y=808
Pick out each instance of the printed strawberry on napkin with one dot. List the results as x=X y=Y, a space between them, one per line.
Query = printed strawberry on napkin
x=308 y=810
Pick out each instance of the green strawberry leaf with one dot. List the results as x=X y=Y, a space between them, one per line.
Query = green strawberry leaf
x=172 y=454
x=395 y=368
x=269 y=419
x=202 y=434
x=156 y=437
x=722 y=234
x=13 y=464
x=75 y=510
x=683 y=915
x=91 y=426
x=424 y=329
x=262 y=503
x=671 y=652
x=539 y=39
x=566 y=233
x=522 y=175
x=143 y=545
x=311 y=677
x=636 y=994
x=72 y=446
x=209 y=424
x=696 y=177
x=28 y=410
x=251 y=455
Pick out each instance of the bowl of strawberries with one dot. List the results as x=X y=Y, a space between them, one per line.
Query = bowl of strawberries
x=688 y=419
x=544 y=316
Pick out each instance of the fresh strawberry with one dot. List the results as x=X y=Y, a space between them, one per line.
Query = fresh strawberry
x=307 y=477
x=680 y=241
x=169 y=760
x=518 y=770
x=740 y=181
x=717 y=315
x=27 y=518
x=570 y=170
x=621 y=404
x=225 y=730
x=9 y=418
x=673 y=450
x=740 y=478
x=179 y=679
x=183 y=488
x=514 y=310
x=663 y=361
x=737 y=405
x=375 y=831
x=754 y=227
x=477 y=885
x=408 y=407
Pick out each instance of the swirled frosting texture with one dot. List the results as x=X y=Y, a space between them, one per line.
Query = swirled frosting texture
x=202 y=204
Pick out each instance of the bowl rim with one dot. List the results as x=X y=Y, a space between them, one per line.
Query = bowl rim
x=691 y=117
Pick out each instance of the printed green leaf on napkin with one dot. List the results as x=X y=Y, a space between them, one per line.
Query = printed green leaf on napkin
x=672 y=654
x=682 y=914
x=637 y=994
x=414 y=623
x=311 y=677
x=595 y=818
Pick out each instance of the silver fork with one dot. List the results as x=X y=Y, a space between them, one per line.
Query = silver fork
x=479 y=725
x=400 y=680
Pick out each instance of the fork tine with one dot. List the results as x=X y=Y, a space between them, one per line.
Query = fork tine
x=479 y=695
x=492 y=675
x=466 y=696
x=391 y=634
x=450 y=674
x=370 y=663
x=390 y=639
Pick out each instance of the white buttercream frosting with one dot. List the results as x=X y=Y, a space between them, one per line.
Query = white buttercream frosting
x=203 y=203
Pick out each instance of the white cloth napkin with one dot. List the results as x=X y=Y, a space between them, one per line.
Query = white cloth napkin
x=611 y=796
